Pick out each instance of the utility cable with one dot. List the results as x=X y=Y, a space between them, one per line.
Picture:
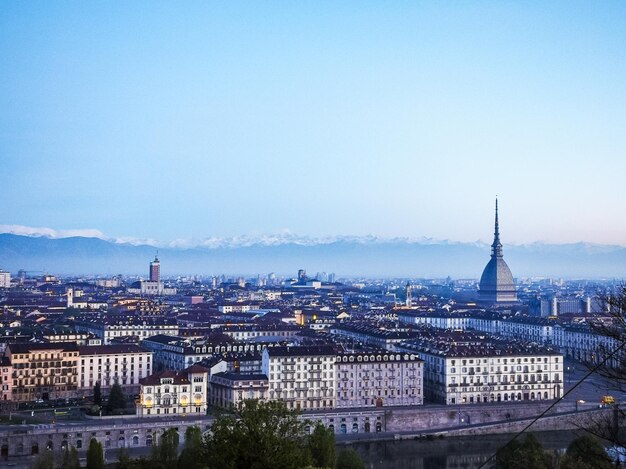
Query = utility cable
x=593 y=370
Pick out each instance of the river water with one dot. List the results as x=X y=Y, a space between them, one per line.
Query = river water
x=447 y=453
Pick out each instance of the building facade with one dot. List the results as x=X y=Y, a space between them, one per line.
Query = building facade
x=230 y=389
x=43 y=371
x=5 y=279
x=485 y=372
x=378 y=379
x=174 y=393
x=109 y=329
x=302 y=377
x=6 y=379
x=125 y=365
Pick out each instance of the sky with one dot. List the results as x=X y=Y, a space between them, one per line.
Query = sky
x=180 y=120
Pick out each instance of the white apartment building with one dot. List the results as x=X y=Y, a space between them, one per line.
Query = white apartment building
x=175 y=353
x=230 y=389
x=81 y=338
x=368 y=334
x=237 y=307
x=151 y=288
x=174 y=393
x=440 y=321
x=489 y=372
x=109 y=329
x=523 y=328
x=303 y=377
x=580 y=342
x=110 y=364
x=5 y=279
x=256 y=332
x=378 y=379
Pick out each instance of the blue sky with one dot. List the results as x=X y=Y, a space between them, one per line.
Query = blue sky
x=199 y=119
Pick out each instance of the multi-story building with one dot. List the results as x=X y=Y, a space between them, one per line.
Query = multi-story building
x=155 y=270
x=581 y=342
x=175 y=353
x=470 y=369
x=112 y=328
x=110 y=364
x=257 y=332
x=43 y=371
x=578 y=341
x=5 y=279
x=237 y=307
x=440 y=320
x=174 y=393
x=303 y=377
x=64 y=335
x=229 y=389
x=6 y=380
x=372 y=335
x=378 y=379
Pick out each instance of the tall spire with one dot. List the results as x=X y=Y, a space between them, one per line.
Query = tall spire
x=496 y=247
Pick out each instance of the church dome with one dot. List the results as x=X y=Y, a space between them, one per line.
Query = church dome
x=497 y=277
x=496 y=283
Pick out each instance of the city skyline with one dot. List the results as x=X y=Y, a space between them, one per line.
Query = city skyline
x=147 y=121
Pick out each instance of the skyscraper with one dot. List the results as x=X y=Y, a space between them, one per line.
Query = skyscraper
x=155 y=270
x=496 y=283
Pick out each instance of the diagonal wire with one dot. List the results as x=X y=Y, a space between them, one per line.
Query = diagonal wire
x=593 y=370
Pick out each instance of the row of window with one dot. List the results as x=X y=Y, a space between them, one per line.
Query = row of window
x=132 y=359
x=505 y=360
x=44 y=356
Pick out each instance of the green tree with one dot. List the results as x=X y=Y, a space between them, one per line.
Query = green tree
x=586 y=452
x=126 y=462
x=97 y=394
x=191 y=456
x=258 y=435
x=529 y=454
x=44 y=461
x=349 y=459
x=70 y=459
x=116 y=398
x=165 y=453
x=95 y=456
x=322 y=446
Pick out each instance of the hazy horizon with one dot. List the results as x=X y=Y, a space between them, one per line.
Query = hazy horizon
x=371 y=258
x=284 y=237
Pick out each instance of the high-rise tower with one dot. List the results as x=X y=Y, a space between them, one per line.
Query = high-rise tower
x=409 y=300
x=496 y=283
x=155 y=270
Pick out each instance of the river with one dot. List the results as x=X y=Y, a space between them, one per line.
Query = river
x=447 y=453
